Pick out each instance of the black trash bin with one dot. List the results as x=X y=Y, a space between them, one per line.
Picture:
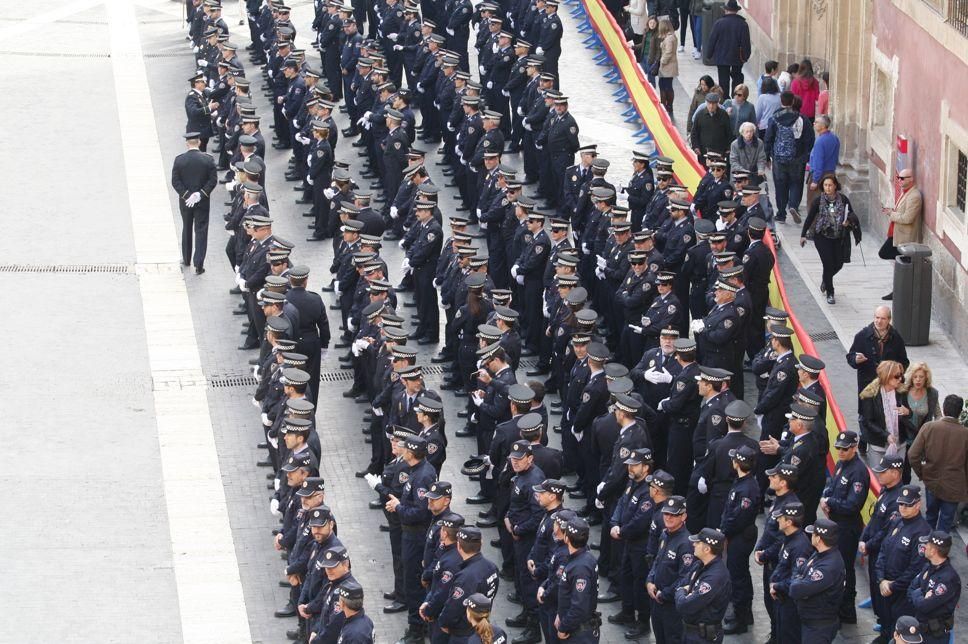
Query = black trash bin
x=912 y=293
x=712 y=11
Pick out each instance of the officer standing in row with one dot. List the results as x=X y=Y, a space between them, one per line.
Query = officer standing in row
x=673 y=559
x=794 y=552
x=739 y=527
x=888 y=473
x=934 y=593
x=701 y=601
x=577 y=620
x=817 y=585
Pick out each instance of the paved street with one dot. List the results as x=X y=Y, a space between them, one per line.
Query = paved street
x=137 y=513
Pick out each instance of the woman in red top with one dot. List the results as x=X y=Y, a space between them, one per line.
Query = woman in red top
x=805 y=86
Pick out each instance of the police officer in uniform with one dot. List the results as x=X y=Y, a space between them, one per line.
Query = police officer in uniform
x=900 y=560
x=357 y=628
x=422 y=259
x=782 y=480
x=702 y=599
x=818 y=585
x=934 y=593
x=640 y=188
x=795 y=549
x=630 y=523
x=414 y=515
x=193 y=176
x=476 y=574
x=888 y=473
x=739 y=526
x=681 y=411
x=717 y=471
x=777 y=396
x=673 y=559
x=577 y=619
x=842 y=501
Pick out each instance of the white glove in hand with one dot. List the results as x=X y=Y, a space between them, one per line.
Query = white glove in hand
x=600 y=261
x=599 y=504
x=275 y=484
x=230 y=186
x=759 y=419
x=482 y=225
x=520 y=111
x=526 y=125
x=504 y=92
x=372 y=480
x=392 y=36
x=336 y=286
x=584 y=248
x=662 y=404
x=436 y=283
x=265 y=419
x=519 y=279
x=702 y=485
x=401 y=243
x=577 y=435
x=697 y=326
x=393 y=212
x=378 y=412
x=598 y=490
x=329 y=193
x=599 y=273
x=514 y=271
x=490 y=84
x=309 y=180
x=636 y=329
x=495 y=48
x=662 y=376
x=478 y=211
x=450 y=32
x=398 y=48
x=477 y=400
x=274 y=507
x=193 y=199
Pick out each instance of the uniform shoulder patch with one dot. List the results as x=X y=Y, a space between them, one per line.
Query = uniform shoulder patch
x=704 y=588
x=581 y=584
x=432 y=448
x=781 y=376
x=538 y=248
x=680 y=386
x=470 y=130
x=431 y=236
x=672 y=308
x=728 y=323
x=716 y=418
x=687 y=238
x=573 y=129
x=585 y=397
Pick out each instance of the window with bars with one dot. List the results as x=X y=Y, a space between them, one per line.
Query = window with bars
x=958 y=15
x=961 y=181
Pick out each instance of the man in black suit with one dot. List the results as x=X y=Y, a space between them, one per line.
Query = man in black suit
x=193 y=177
x=314 y=334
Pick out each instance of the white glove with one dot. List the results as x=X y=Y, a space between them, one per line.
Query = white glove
x=577 y=435
x=450 y=32
x=446 y=307
x=482 y=225
x=401 y=243
x=477 y=400
x=662 y=403
x=478 y=213
x=309 y=180
x=275 y=484
x=195 y=49
x=372 y=480
x=481 y=69
x=193 y=199
x=450 y=128
x=599 y=504
x=759 y=419
x=544 y=310
x=202 y=62
x=655 y=376
x=584 y=248
x=520 y=111
x=539 y=51
x=392 y=36
x=367 y=114
x=526 y=125
x=504 y=92
x=457 y=150
x=405 y=266
x=329 y=193
x=514 y=271
x=274 y=507
x=357 y=347
x=420 y=89
x=336 y=286
x=702 y=485
x=436 y=283
x=393 y=212
x=490 y=84
x=599 y=273
x=265 y=419
x=361 y=120
x=600 y=261
x=495 y=48
x=519 y=279
x=274 y=442
x=255 y=371
x=377 y=412
x=697 y=326
x=598 y=490
x=230 y=186
x=367 y=125
x=635 y=329
x=398 y=48
x=351 y=325
x=255 y=403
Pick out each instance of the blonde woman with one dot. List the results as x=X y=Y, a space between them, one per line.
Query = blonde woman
x=478 y=614
x=885 y=417
x=923 y=403
x=668 y=64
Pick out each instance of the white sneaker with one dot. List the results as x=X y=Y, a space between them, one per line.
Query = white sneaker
x=696 y=55
x=682 y=48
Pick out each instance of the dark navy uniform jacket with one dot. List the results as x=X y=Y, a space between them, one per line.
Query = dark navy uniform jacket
x=413 y=503
x=443 y=574
x=358 y=629
x=943 y=584
x=673 y=560
x=706 y=593
x=777 y=396
x=633 y=514
x=476 y=575
x=818 y=585
x=884 y=510
x=742 y=507
x=901 y=556
x=794 y=552
x=846 y=491
x=577 y=591
x=772 y=539
x=524 y=512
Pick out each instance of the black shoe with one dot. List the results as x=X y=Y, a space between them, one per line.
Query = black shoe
x=289 y=610
x=262 y=446
x=280 y=146
x=495 y=543
x=248 y=346
x=341 y=345
x=486 y=514
x=390 y=596
x=235 y=291
x=578 y=494
x=462 y=414
x=283 y=583
x=384 y=527
x=639 y=630
x=621 y=618
x=487 y=523
x=437 y=359
x=426 y=341
x=294 y=635
x=477 y=499
x=394 y=607
x=359 y=475
x=737 y=627
x=450 y=386
x=303 y=201
x=594 y=519
x=264 y=464
x=350 y=393
x=539 y=370
x=409 y=305
x=199 y=270
x=888 y=297
x=376 y=505
x=464 y=433
x=576 y=486
x=520 y=620
x=531 y=635
x=608 y=597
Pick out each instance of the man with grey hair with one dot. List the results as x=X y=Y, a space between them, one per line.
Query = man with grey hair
x=824 y=156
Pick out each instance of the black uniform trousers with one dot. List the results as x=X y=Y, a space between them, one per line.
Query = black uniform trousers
x=194 y=220
x=738 y=550
x=634 y=571
x=412 y=544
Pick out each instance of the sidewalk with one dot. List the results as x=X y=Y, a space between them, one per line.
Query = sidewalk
x=860 y=284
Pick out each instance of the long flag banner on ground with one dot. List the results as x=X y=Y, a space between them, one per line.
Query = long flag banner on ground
x=605 y=33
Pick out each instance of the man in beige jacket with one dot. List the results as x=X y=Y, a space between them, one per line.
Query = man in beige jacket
x=906 y=215
x=939 y=456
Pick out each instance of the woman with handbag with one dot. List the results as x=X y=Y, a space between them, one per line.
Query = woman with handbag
x=668 y=64
x=830 y=223
x=885 y=417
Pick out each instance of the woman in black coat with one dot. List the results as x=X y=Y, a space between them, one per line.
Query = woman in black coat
x=830 y=222
x=885 y=418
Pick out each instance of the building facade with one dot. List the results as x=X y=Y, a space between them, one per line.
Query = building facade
x=897 y=69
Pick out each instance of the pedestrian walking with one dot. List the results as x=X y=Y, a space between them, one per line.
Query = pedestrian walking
x=806 y=87
x=824 y=155
x=729 y=46
x=194 y=176
x=831 y=222
x=789 y=140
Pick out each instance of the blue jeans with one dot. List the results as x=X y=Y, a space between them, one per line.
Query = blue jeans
x=697 y=32
x=940 y=513
x=788 y=178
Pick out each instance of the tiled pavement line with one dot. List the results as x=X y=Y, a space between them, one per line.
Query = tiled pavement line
x=211 y=606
